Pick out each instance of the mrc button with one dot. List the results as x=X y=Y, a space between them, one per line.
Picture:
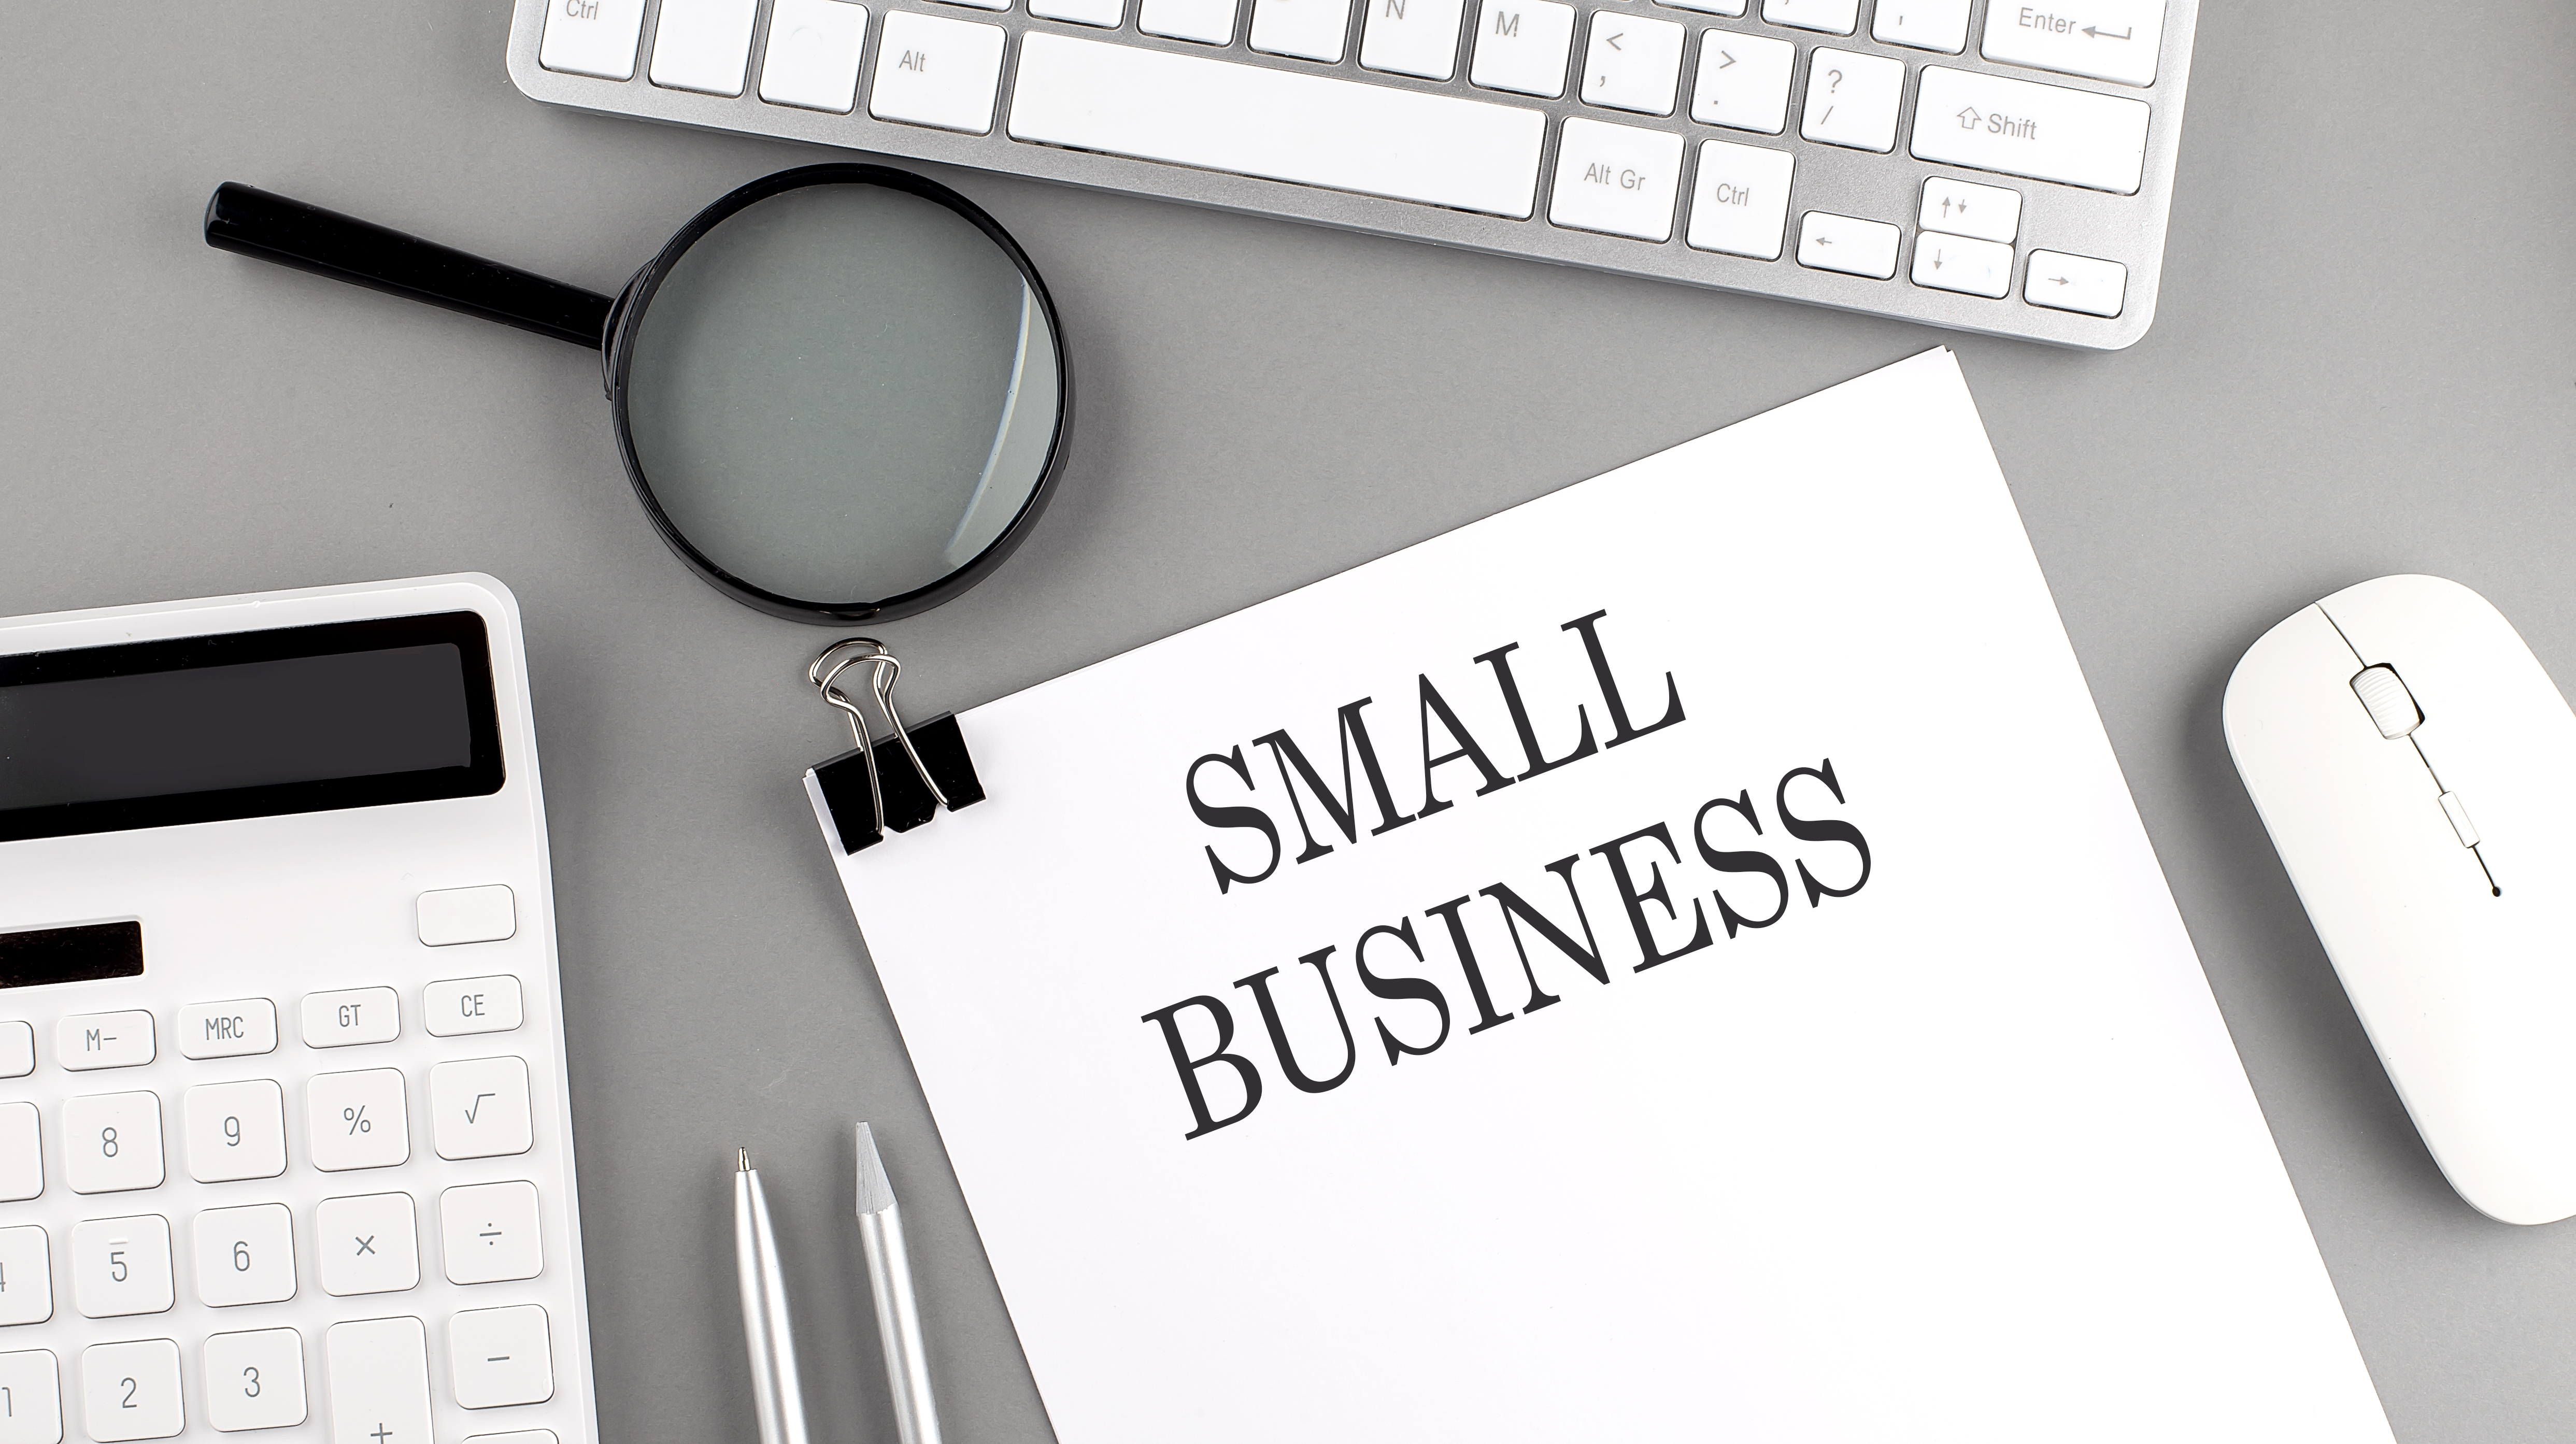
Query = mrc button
x=468 y=915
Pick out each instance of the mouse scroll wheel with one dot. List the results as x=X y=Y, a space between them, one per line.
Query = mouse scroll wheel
x=2391 y=706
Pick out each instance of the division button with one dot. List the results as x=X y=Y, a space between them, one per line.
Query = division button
x=489 y=1232
x=1957 y=263
x=1740 y=202
x=1616 y=178
x=2075 y=283
x=1828 y=242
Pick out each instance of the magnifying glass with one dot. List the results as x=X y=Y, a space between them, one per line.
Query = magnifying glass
x=841 y=391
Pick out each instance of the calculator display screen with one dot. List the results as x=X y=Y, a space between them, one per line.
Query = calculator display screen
x=247 y=724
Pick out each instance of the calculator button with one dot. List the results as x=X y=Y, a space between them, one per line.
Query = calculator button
x=132 y=1390
x=234 y=1130
x=35 y=1394
x=103 y=1040
x=501 y=1356
x=112 y=1141
x=379 y=1381
x=245 y=1255
x=471 y=1005
x=1956 y=263
x=2075 y=283
x=515 y=1436
x=122 y=1266
x=369 y=1244
x=17 y=1049
x=234 y=1029
x=470 y=914
x=1988 y=213
x=26 y=1278
x=255 y=1380
x=479 y=1108
x=22 y=1152
x=490 y=1232
x=351 y=1015
x=356 y=1120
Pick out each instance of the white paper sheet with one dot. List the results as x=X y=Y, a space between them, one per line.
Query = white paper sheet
x=1965 y=1154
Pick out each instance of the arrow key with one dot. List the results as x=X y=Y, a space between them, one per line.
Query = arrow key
x=1958 y=263
x=1989 y=213
x=2075 y=283
x=1828 y=242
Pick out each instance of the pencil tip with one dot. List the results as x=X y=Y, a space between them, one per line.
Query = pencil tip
x=876 y=1195
x=742 y=1160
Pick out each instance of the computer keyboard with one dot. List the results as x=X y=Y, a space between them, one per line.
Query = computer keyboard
x=1985 y=165
x=284 y=1141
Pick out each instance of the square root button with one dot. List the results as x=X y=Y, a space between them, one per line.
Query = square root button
x=1616 y=178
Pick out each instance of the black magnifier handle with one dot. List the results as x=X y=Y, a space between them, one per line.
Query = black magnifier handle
x=254 y=222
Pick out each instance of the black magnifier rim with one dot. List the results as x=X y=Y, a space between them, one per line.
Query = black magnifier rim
x=638 y=298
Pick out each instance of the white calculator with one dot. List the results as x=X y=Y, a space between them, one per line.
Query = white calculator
x=284 y=1147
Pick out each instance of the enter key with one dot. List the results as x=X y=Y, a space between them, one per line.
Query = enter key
x=2105 y=39
x=479 y=1108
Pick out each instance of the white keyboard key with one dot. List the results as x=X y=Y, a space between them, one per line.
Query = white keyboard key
x=936 y=72
x=26 y=1276
x=592 y=37
x=703 y=45
x=501 y=1356
x=31 y=1398
x=1834 y=17
x=478 y=1108
x=1521 y=46
x=516 y=1436
x=255 y=1380
x=1958 y=263
x=1411 y=37
x=103 y=1040
x=351 y=1015
x=1081 y=12
x=1989 y=213
x=1857 y=247
x=132 y=1390
x=17 y=1049
x=356 y=1120
x=1632 y=63
x=473 y=1005
x=369 y=1244
x=2020 y=127
x=22 y=1152
x=1210 y=22
x=489 y=1233
x=112 y=1142
x=234 y=1130
x=1307 y=29
x=1310 y=129
x=1923 y=24
x=472 y=914
x=1853 y=99
x=1616 y=178
x=1743 y=82
x=236 y=1029
x=812 y=59
x=1740 y=202
x=980 y=4
x=379 y=1372
x=245 y=1255
x=121 y=1266
x=1707 y=7
x=2075 y=283
x=2105 y=39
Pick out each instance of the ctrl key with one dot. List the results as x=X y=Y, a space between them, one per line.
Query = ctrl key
x=31 y=1389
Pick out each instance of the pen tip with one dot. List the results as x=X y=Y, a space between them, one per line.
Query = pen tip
x=742 y=1160
x=876 y=1195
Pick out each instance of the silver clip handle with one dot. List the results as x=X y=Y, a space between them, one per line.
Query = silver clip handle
x=883 y=669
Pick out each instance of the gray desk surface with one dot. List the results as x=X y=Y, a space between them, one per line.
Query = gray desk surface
x=2365 y=363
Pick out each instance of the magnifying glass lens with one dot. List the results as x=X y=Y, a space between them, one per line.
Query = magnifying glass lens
x=842 y=393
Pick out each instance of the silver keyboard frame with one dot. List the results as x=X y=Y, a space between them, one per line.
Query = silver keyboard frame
x=2127 y=229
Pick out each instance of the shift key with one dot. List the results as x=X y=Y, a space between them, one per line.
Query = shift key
x=2020 y=127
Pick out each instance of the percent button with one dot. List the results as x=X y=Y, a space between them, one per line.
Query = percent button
x=357 y=1120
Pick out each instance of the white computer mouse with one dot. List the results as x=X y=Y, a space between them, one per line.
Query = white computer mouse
x=2417 y=771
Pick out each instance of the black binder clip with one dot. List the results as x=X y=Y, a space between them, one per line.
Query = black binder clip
x=900 y=782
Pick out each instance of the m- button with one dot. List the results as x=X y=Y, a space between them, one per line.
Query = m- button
x=103 y=1040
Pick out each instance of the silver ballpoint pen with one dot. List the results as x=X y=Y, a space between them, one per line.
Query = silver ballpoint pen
x=916 y=1416
x=764 y=1311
